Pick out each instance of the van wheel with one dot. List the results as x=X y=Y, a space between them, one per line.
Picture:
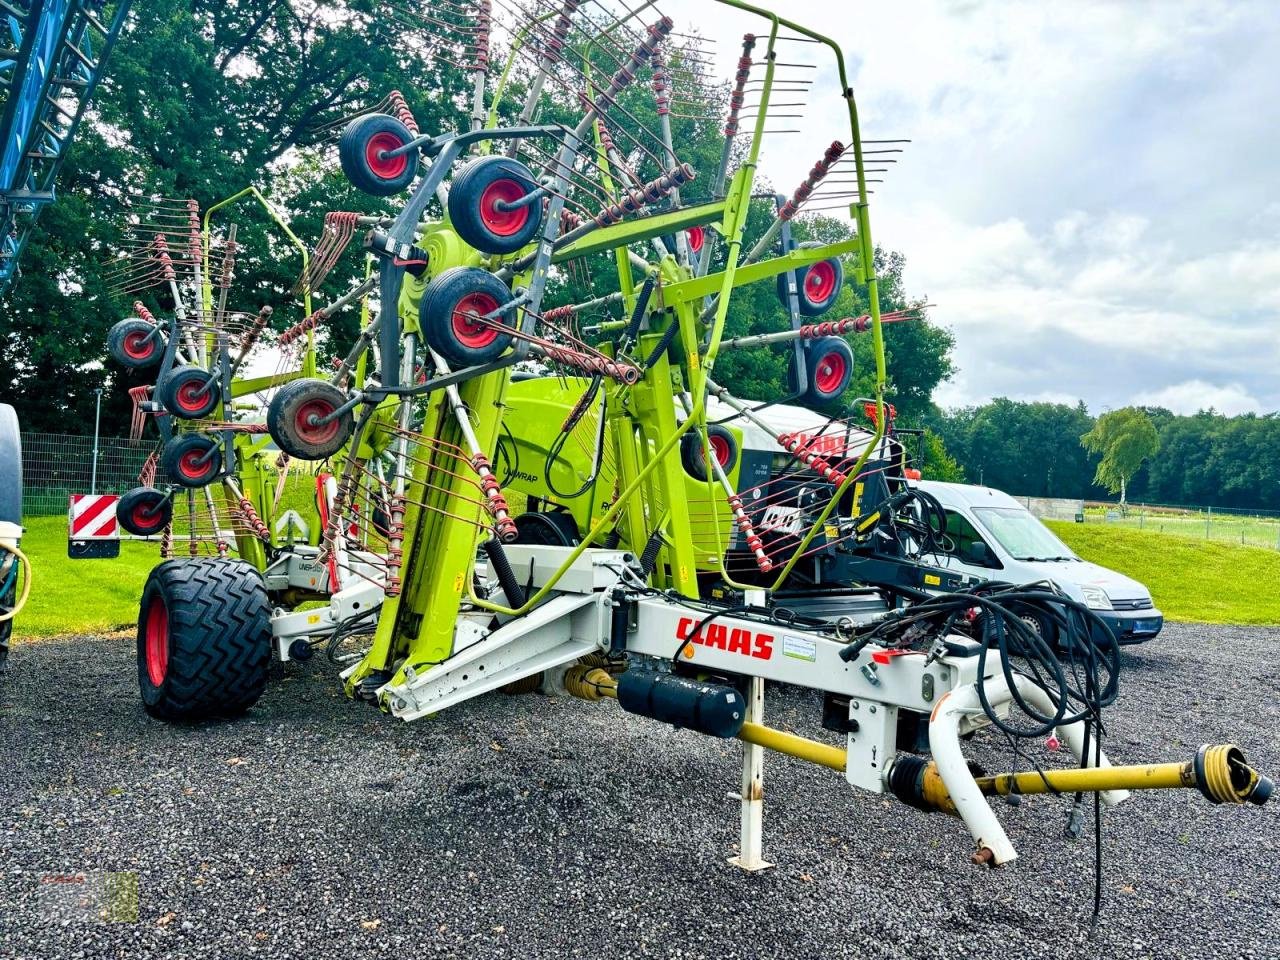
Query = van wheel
x=1040 y=624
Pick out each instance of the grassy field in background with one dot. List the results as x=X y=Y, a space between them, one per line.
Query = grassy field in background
x=80 y=596
x=1211 y=582
x=1205 y=581
x=1255 y=531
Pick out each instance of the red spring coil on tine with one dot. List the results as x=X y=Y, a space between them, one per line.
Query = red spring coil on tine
x=656 y=33
x=494 y=500
x=402 y=112
x=484 y=24
x=395 y=550
x=738 y=96
x=143 y=313
x=193 y=229
x=253 y=521
x=639 y=197
x=754 y=543
x=835 y=328
x=820 y=170
x=661 y=84
x=300 y=328
x=556 y=314
x=793 y=446
x=606 y=138
x=162 y=254
x=569 y=221
x=228 y=265
x=560 y=33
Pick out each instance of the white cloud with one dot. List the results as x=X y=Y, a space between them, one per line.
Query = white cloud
x=1196 y=395
x=1089 y=195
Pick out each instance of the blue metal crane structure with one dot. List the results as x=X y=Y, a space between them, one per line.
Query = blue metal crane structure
x=52 y=54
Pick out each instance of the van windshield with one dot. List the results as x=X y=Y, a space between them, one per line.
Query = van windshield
x=1025 y=537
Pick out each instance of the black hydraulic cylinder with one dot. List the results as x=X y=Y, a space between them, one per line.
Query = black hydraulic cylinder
x=711 y=708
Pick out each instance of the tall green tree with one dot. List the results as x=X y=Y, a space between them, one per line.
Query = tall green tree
x=200 y=100
x=1123 y=439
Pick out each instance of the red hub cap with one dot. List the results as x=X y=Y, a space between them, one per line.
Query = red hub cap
x=193 y=396
x=830 y=373
x=194 y=466
x=504 y=223
x=156 y=642
x=470 y=330
x=820 y=282
x=720 y=447
x=695 y=236
x=137 y=346
x=145 y=516
x=311 y=432
x=375 y=155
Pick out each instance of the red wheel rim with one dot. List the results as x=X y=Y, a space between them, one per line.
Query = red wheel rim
x=315 y=433
x=380 y=165
x=695 y=236
x=193 y=396
x=720 y=447
x=470 y=330
x=820 y=282
x=830 y=374
x=137 y=346
x=156 y=641
x=145 y=516
x=504 y=223
x=193 y=466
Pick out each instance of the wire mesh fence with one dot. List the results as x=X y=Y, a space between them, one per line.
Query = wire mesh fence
x=56 y=465
x=1257 y=528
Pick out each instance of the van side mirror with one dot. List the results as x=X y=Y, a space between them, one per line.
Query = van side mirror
x=979 y=554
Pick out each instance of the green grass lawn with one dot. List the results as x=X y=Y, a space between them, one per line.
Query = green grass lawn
x=1206 y=581
x=80 y=596
x=1190 y=579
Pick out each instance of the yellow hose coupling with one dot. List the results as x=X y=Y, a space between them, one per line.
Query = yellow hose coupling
x=1223 y=776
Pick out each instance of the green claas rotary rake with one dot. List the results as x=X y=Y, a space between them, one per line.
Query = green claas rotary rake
x=675 y=546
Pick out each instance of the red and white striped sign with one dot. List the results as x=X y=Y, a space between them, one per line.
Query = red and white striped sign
x=93 y=516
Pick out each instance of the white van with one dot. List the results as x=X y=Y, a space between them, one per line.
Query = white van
x=994 y=537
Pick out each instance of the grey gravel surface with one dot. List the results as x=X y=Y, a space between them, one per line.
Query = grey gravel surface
x=530 y=827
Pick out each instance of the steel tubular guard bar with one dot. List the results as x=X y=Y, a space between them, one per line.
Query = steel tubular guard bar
x=970 y=802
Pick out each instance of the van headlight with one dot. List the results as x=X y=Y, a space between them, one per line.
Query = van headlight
x=1096 y=598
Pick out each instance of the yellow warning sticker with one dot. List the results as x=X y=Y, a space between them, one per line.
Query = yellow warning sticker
x=932 y=580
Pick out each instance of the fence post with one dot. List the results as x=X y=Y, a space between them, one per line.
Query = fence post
x=1208 y=519
x=97 y=420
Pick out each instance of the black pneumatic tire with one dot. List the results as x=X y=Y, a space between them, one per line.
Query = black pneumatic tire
x=290 y=414
x=144 y=511
x=192 y=460
x=135 y=344
x=204 y=639
x=723 y=444
x=445 y=316
x=360 y=152
x=474 y=196
x=819 y=284
x=829 y=364
x=189 y=393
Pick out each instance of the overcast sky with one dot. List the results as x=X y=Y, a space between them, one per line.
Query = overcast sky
x=1092 y=194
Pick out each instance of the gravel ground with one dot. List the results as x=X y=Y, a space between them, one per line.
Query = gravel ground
x=530 y=827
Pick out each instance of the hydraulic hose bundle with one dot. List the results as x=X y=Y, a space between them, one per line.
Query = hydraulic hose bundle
x=1081 y=680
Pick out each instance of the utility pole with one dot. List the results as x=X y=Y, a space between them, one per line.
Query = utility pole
x=97 y=420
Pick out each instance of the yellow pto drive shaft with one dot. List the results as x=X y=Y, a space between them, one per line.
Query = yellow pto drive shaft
x=1218 y=771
